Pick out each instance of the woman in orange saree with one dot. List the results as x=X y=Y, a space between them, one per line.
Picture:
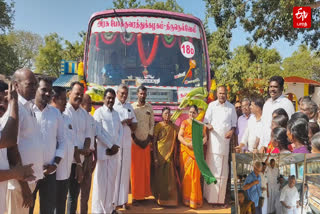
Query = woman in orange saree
x=165 y=188
x=190 y=173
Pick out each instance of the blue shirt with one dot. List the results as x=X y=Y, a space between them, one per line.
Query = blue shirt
x=255 y=191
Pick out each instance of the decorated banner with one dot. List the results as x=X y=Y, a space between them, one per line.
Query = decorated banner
x=150 y=25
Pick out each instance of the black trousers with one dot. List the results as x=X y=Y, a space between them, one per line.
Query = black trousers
x=74 y=190
x=61 y=196
x=47 y=194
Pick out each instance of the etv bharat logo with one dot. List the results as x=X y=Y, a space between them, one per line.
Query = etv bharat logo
x=301 y=17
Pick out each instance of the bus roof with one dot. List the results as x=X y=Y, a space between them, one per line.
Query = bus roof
x=283 y=158
x=146 y=12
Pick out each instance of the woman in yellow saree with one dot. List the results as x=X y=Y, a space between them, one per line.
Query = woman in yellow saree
x=190 y=173
x=165 y=181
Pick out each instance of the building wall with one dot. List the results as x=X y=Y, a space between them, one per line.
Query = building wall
x=297 y=89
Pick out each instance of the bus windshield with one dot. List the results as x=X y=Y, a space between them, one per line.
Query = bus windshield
x=152 y=51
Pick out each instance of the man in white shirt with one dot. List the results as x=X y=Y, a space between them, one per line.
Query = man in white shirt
x=108 y=158
x=273 y=186
x=59 y=101
x=51 y=125
x=251 y=135
x=221 y=118
x=289 y=197
x=276 y=100
x=29 y=143
x=129 y=123
x=9 y=131
x=81 y=127
x=264 y=188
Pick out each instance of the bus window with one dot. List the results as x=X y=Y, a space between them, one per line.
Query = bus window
x=300 y=171
x=293 y=169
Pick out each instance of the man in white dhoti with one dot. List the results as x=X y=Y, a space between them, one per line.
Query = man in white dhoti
x=289 y=197
x=273 y=186
x=264 y=188
x=108 y=156
x=221 y=118
x=129 y=123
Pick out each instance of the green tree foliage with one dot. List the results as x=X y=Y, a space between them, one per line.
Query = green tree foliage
x=169 y=5
x=50 y=56
x=6 y=15
x=249 y=69
x=8 y=59
x=303 y=63
x=26 y=47
x=74 y=51
x=125 y=4
x=268 y=21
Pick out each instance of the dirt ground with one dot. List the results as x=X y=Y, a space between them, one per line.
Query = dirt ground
x=149 y=206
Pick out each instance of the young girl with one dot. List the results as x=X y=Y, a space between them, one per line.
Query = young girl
x=279 y=120
x=279 y=140
x=297 y=132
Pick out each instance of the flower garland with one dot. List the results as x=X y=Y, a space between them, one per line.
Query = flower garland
x=146 y=62
x=183 y=39
x=168 y=40
x=127 y=38
x=109 y=37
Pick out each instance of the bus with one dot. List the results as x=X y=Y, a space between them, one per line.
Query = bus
x=164 y=51
x=305 y=167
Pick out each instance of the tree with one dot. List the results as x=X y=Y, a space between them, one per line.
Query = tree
x=8 y=60
x=50 y=55
x=6 y=15
x=169 y=5
x=26 y=46
x=125 y=4
x=74 y=51
x=249 y=69
x=303 y=63
x=268 y=21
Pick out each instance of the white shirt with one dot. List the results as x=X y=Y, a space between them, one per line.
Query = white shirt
x=222 y=117
x=64 y=167
x=80 y=124
x=29 y=139
x=252 y=132
x=264 y=182
x=290 y=196
x=96 y=130
x=125 y=111
x=52 y=129
x=110 y=121
x=4 y=165
x=268 y=108
x=272 y=175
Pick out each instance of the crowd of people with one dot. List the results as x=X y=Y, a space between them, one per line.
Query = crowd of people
x=273 y=126
x=51 y=147
x=266 y=191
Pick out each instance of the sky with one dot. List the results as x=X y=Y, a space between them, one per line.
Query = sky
x=68 y=17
